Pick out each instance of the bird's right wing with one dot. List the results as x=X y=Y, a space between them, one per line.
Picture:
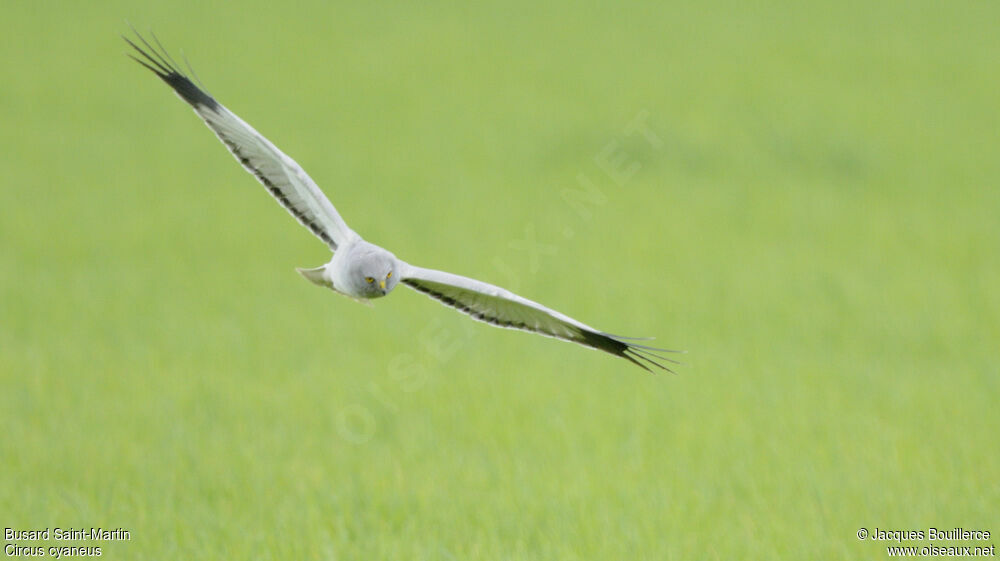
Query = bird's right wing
x=284 y=178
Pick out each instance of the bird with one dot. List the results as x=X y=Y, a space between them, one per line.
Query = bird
x=360 y=269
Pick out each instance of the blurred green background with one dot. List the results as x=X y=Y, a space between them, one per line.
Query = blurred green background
x=813 y=216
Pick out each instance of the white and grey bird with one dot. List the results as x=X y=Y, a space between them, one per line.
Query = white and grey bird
x=359 y=269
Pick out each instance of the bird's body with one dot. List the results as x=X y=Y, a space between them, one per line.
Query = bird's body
x=352 y=265
x=361 y=270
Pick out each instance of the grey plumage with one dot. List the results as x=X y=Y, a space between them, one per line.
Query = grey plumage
x=359 y=269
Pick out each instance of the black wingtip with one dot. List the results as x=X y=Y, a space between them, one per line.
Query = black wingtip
x=158 y=60
x=651 y=358
x=643 y=356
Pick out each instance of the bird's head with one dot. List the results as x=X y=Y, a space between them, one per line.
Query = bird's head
x=375 y=275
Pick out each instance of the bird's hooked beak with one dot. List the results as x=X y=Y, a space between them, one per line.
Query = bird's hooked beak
x=381 y=284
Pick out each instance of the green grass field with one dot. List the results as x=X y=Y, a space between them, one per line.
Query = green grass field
x=813 y=214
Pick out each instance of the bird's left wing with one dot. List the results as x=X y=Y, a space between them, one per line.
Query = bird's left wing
x=502 y=308
x=284 y=178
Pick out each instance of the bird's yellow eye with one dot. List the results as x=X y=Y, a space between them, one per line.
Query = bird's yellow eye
x=389 y=276
x=369 y=280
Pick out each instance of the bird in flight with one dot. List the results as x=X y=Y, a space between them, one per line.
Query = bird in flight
x=362 y=270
